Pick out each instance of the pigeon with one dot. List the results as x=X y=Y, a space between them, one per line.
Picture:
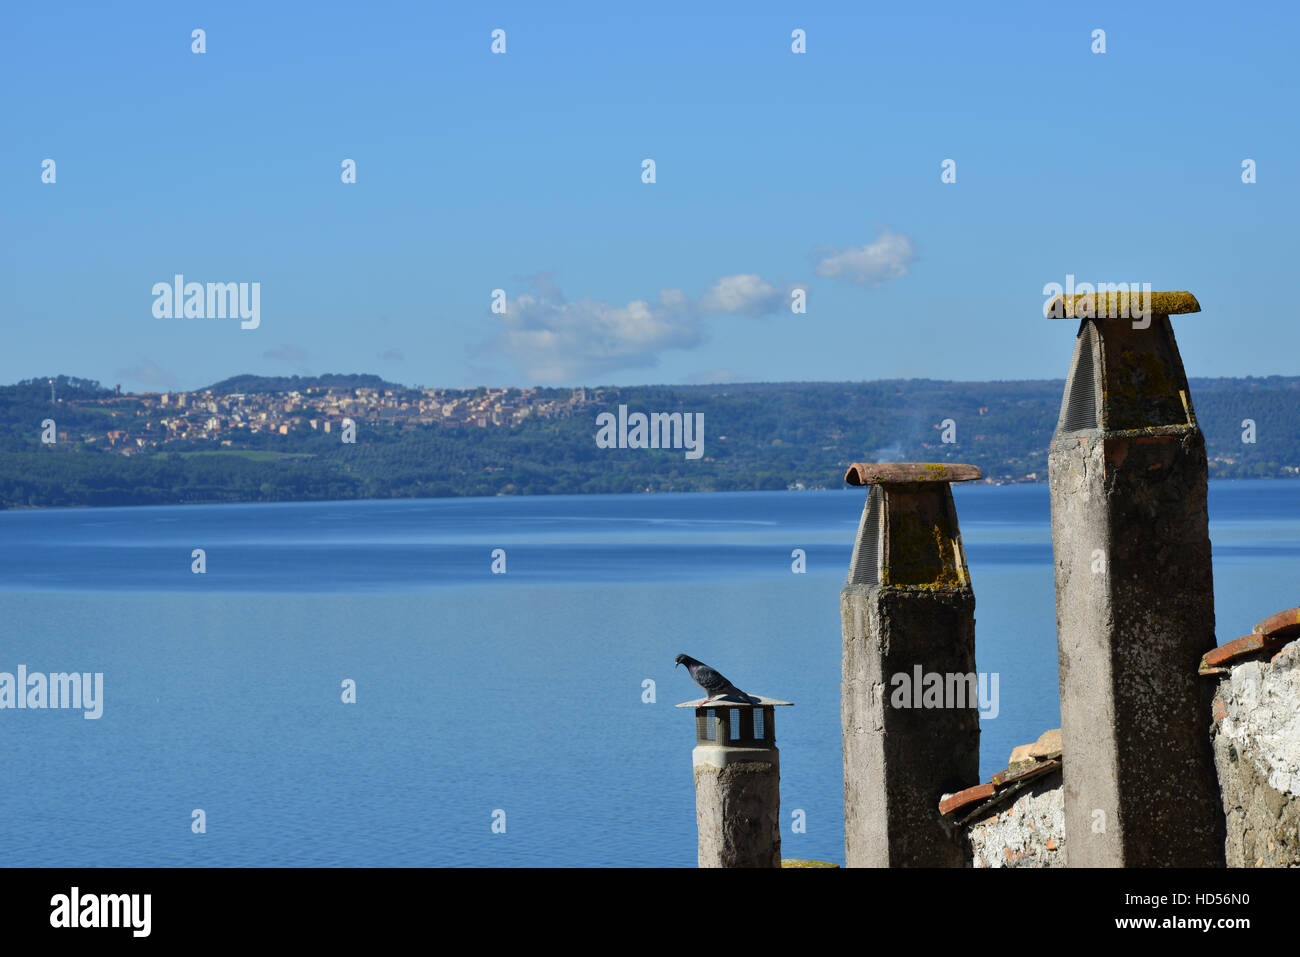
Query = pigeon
x=714 y=684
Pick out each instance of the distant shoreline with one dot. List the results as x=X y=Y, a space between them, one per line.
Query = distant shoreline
x=436 y=498
x=71 y=442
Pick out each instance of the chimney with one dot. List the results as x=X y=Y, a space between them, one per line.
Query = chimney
x=1134 y=592
x=737 y=782
x=908 y=619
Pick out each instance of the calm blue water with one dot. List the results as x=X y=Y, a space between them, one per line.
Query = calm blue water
x=476 y=691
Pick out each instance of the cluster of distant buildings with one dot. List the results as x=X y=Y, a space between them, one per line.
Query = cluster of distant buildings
x=157 y=418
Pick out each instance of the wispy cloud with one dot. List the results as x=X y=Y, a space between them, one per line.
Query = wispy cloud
x=392 y=355
x=886 y=258
x=286 y=353
x=149 y=373
x=555 y=340
x=711 y=377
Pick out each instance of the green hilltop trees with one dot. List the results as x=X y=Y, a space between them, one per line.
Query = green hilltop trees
x=757 y=436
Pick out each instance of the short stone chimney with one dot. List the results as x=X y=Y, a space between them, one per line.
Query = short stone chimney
x=737 y=781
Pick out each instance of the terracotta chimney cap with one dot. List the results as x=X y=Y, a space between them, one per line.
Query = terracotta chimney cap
x=892 y=473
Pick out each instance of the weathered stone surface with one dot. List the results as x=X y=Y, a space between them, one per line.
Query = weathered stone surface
x=1256 y=745
x=1144 y=388
x=922 y=545
x=1135 y=612
x=898 y=762
x=738 y=811
x=1257 y=755
x=1028 y=832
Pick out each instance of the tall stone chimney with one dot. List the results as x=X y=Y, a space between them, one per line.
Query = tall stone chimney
x=1134 y=592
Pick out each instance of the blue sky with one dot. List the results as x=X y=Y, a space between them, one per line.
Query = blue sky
x=523 y=171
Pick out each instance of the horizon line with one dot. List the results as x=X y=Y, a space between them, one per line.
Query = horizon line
x=646 y=385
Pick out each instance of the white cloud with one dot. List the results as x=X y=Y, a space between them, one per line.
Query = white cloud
x=745 y=295
x=558 y=341
x=554 y=340
x=886 y=258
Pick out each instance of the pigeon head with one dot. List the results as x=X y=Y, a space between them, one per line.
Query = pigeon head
x=686 y=660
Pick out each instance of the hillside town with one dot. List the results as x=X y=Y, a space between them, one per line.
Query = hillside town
x=803 y=432
x=144 y=420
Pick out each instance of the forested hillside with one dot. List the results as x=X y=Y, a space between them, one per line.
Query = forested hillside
x=759 y=436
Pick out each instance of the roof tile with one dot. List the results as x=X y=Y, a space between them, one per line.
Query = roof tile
x=1235 y=650
x=1020 y=754
x=1283 y=624
x=1047 y=746
x=1267 y=636
x=955 y=802
x=1010 y=775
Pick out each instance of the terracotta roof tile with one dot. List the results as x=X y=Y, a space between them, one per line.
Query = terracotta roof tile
x=1011 y=775
x=889 y=473
x=1285 y=624
x=1020 y=754
x=1028 y=761
x=955 y=802
x=1267 y=636
x=1047 y=746
x=1216 y=659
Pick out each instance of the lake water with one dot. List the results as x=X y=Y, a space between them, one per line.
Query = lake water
x=477 y=691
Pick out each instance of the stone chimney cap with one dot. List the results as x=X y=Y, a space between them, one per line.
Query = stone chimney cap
x=894 y=473
x=730 y=702
x=1121 y=305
